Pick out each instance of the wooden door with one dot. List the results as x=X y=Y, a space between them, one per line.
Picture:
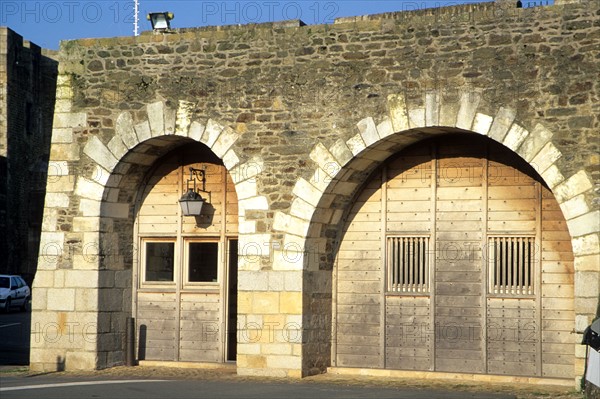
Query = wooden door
x=456 y=258
x=184 y=283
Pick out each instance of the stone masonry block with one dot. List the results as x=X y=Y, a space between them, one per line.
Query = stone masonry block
x=96 y=150
x=584 y=224
x=341 y=152
x=577 y=184
x=124 y=129
x=50 y=219
x=211 y=133
x=448 y=110
x=253 y=280
x=292 y=281
x=398 y=112
x=156 y=118
x=64 y=152
x=385 y=128
x=356 y=144
x=288 y=259
x=482 y=123
x=58 y=168
x=225 y=140
x=302 y=209
x=367 y=130
x=255 y=203
x=60 y=184
x=307 y=192
x=588 y=284
x=117 y=147
x=61 y=299
x=504 y=118
x=589 y=263
x=469 y=102
x=547 y=156
x=416 y=117
x=552 y=176
x=248 y=170
x=196 y=131
x=115 y=210
x=574 y=207
x=88 y=189
x=265 y=302
x=515 y=136
x=290 y=303
x=284 y=362
x=230 y=159
x=62 y=135
x=142 y=131
x=81 y=279
x=539 y=137
x=581 y=323
x=326 y=161
x=70 y=119
x=90 y=207
x=184 y=117
x=170 y=118
x=586 y=245
x=246 y=189
x=432 y=108
x=320 y=180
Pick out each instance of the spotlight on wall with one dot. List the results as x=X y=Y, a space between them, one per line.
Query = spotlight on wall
x=191 y=202
x=160 y=20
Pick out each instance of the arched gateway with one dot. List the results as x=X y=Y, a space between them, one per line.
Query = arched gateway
x=455 y=257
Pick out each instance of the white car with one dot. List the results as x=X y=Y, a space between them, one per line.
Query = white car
x=14 y=291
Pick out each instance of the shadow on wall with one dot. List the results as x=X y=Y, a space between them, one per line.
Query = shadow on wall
x=142 y=342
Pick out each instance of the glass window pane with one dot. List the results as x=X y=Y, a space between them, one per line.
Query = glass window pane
x=203 y=260
x=160 y=261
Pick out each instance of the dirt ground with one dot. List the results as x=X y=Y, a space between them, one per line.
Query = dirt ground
x=521 y=391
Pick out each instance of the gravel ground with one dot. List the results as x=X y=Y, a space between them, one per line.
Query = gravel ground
x=521 y=391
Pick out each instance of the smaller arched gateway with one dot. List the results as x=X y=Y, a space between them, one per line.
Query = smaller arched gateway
x=185 y=276
x=455 y=257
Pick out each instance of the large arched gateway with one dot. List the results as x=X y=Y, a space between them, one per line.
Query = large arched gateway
x=455 y=257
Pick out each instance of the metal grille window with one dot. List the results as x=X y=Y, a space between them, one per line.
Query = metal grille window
x=408 y=264
x=511 y=265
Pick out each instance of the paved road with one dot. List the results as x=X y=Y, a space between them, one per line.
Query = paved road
x=49 y=387
x=14 y=338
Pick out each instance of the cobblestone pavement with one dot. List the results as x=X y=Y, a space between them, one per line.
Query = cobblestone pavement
x=521 y=391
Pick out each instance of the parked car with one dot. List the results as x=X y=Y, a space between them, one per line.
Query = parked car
x=14 y=291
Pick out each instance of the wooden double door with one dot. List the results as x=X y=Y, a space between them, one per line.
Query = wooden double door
x=185 y=296
x=455 y=257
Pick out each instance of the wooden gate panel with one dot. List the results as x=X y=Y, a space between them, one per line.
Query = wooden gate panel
x=557 y=292
x=358 y=320
x=512 y=336
x=408 y=333
x=157 y=326
x=201 y=327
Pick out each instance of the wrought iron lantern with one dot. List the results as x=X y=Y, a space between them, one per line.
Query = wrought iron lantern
x=191 y=201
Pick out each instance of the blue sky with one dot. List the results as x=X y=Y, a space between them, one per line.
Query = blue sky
x=46 y=22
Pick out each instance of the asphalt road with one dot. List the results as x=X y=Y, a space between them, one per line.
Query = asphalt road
x=14 y=338
x=49 y=387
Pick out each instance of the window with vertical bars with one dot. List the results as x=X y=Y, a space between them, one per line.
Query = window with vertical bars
x=408 y=264
x=511 y=265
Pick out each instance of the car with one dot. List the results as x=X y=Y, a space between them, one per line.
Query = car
x=14 y=291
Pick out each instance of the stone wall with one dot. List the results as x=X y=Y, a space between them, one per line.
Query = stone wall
x=300 y=116
x=27 y=80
